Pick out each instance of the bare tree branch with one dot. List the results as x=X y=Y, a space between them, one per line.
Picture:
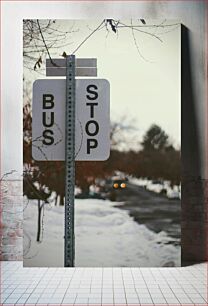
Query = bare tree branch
x=96 y=29
x=136 y=44
x=44 y=41
x=149 y=26
x=141 y=31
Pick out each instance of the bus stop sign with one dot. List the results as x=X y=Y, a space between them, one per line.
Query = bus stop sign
x=92 y=127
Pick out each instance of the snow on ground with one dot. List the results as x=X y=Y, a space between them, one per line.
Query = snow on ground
x=104 y=236
x=157 y=187
x=108 y=236
x=48 y=252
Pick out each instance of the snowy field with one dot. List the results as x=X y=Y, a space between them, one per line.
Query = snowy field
x=158 y=186
x=104 y=236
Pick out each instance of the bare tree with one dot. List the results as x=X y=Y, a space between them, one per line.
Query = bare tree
x=40 y=37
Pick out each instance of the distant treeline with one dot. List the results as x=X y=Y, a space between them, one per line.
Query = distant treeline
x=157 y=159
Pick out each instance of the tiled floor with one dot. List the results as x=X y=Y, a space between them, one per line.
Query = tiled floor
x=103 y=286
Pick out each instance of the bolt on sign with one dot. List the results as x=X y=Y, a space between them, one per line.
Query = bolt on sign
x=92 y=127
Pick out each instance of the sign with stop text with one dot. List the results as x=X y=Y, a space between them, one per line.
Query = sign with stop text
x=92 y=130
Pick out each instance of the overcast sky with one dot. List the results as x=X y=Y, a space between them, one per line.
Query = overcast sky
x=144 y=73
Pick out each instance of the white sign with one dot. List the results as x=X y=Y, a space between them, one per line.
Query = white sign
x=92 y=131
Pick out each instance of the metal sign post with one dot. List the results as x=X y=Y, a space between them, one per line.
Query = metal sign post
x=70 y=161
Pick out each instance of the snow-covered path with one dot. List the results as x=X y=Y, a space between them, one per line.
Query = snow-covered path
x=104 y=236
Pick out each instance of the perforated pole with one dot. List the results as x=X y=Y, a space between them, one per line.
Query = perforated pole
x=70 y=163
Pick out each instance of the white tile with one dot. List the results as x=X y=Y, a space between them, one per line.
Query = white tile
x=132 y=300
x=44 y=300
x=118 y=290
x=159 y=301
x=117 y=300
x=21 y=301
x=70 y=295
x=107 y=302
x=94 y=301
x=18 y=290
x=144 y=295
x=38 y=291
x=131 y=295
x=108 y=286
x=84 y=290
x=10 y=301
x=195 y=298
x=107 y=295
x=9 y=291
x=184 y=300
x=188 y=284
x=145 y=289
x=203 y=295
x=169 y=296
x=60 y=291
x=46 y=295
x=58 y=295
x=72 y=290
x=96 y=290
x=81 y=301
x=15 y=296
x=190 y=290
x=53 y=300
x=154 y=290
x=119 y=295
x=130 y=290
x=107 y=299
x=32 y=300
x=34 y=296
x=145 y=300
x=68 y=300
x=82 y=295
x=157 y=298
x=4 y=297
x=94 y=295
x=166 y=289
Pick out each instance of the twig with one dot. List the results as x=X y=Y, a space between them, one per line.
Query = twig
x=45 y=43
x=7 y=174
x=43 y=39
x=136 y=44
x=88 y=37
x=42 y=230
x=141 y=31
x=81 y=139
x=149 y=26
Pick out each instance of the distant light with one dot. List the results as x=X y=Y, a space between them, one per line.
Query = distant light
x=115 y=185
x=123 y=185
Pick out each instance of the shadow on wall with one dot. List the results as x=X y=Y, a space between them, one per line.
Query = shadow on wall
x=193 y=226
